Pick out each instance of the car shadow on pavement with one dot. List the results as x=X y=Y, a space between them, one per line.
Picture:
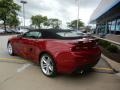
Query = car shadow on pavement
x=79 y=74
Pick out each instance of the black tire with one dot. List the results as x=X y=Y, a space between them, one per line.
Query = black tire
x=10 y=49
x=52 y=65
x=88 y=70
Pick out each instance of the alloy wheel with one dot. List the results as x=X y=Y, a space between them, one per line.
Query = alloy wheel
x=10 y=49
x=47 y=65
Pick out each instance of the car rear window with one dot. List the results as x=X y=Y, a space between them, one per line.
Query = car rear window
x=70 y=34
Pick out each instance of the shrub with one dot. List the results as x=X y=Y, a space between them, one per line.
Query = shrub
x=113 y=48
x=103 y=43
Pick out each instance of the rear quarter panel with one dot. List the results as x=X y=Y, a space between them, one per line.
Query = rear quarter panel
x=55 y=47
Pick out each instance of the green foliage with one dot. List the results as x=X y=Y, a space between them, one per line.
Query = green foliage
x=113 y=48
x=38 y=20
x=8 y=9
x=73 y=24
x=54 y=23
x=46 y=23
x=104 y=43
x=107 y=45
x=13 y=21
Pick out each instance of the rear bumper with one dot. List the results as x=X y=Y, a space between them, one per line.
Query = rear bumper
x=68 y=62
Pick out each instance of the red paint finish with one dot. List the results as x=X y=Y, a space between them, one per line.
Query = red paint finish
x=68 y=55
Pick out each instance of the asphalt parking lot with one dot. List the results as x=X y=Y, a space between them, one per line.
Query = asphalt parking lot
x=19 y=74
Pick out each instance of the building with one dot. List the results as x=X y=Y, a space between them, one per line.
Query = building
x=107 y=17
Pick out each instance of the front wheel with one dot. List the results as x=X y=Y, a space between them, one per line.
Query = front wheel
x=10 y=49
x=47 y=65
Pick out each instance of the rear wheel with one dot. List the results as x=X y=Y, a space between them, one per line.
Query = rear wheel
x=10 y=49
x=47 y=65
x=88 y=70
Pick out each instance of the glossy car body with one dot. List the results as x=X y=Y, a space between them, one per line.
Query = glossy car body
x=68 y=54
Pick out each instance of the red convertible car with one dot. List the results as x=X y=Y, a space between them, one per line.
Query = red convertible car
x=56 y=51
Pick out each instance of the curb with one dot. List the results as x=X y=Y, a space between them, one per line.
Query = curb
x=114 y=65
x=117 y=43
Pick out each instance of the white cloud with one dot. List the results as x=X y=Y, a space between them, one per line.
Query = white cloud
x=64 y=10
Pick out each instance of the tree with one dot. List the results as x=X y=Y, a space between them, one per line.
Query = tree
x=54 y=23
x=38 y=20
x=13 y=21
x=7 y=9
x=46 y=23
x=73 y=24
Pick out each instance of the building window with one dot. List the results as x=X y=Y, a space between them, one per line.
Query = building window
x=109 y=27
x=118 y=25
x=103 y=28
x=113 y=25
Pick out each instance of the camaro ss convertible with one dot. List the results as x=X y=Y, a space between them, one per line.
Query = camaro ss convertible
x=56 y=51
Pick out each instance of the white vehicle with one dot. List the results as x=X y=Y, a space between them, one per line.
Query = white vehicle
x=2 y=31
x=15 y=31
x=22 y=31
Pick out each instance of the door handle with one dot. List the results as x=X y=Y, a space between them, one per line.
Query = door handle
x=31 y=49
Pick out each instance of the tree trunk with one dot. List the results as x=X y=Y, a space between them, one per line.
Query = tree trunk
x=39 y=26
x=15 y=27
x=5 y=23
x=5 y=26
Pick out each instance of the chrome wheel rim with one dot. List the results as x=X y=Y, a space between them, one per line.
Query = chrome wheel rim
x=10 y=50
x=46 y=65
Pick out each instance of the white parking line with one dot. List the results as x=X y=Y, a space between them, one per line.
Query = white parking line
x=118 y=74
x=107 y=69
x=23 y=67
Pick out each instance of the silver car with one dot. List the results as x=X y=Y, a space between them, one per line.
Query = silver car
x=2 y=31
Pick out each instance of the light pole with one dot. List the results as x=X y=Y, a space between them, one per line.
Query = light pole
x=78 y=3
x=23 y=2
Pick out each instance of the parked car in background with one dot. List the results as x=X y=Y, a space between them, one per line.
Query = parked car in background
x=16 y=31
x=89 y=33
x=8 y=30
x=56 y=51
x=2 y=31
x=21 y=31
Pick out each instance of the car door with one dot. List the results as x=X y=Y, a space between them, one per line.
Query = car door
x=31 y=44
x=28 y=44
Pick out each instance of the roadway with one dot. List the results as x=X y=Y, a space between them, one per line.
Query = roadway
x=20 y=74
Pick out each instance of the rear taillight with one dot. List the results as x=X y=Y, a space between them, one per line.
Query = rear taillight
x=76 y=48
x=84 y=45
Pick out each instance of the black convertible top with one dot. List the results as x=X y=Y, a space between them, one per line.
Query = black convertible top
x=52 y=33
x=52 y=30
